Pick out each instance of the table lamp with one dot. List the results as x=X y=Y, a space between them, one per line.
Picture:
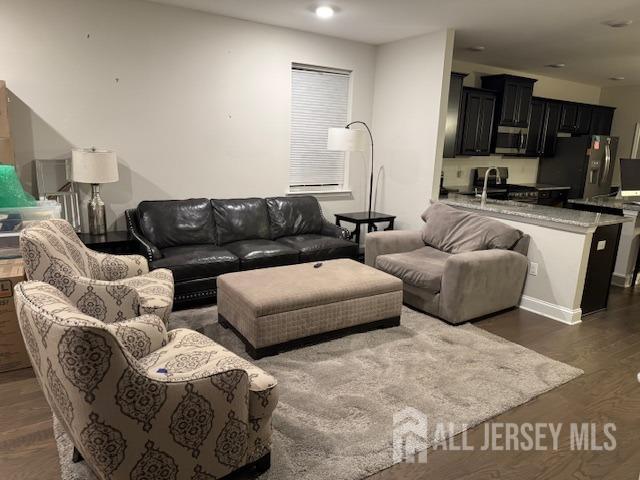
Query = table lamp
x=95 y=167
x=352 y=140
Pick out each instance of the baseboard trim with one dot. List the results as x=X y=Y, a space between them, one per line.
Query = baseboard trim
x=620 y=280
x=551 y=310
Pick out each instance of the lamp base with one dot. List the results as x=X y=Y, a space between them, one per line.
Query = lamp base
x=96 y=211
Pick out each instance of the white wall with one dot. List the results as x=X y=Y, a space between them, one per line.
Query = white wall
x=521 y=170
x=410 y=103
x=194 y=104
x=627 y=103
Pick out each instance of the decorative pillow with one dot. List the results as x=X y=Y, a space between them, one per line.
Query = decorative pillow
x=455 y=231
x=141 y=335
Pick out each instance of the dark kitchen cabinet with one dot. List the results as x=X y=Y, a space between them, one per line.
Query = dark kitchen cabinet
x=477 y=125
x=453 y=114
x=535 y=139
x=513 y=98
x=575 y=118
x=601 y=120
x=544 y=121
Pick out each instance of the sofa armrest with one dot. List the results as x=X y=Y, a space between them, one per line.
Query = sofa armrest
x=482 y=282
x=392 y=241
x=148 y=249
x=331 y=230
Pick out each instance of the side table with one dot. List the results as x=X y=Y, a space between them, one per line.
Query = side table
x=363 y=218
x=116 y=243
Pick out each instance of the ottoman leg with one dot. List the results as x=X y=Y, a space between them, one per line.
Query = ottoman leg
x=223 y=322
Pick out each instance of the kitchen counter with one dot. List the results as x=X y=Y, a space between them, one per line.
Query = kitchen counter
x=606 y=202
x=552 y=217
x=572 y=254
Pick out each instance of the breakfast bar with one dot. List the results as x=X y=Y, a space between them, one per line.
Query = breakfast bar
x=571 y=256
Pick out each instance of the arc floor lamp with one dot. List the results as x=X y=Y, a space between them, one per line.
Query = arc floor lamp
x=348 y=139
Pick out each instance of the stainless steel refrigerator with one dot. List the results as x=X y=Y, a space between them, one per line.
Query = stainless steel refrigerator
x=583 y=163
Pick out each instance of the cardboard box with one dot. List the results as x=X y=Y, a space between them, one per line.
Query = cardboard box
x=13 y=354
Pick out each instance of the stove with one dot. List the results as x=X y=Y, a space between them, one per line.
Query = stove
x=521 y=193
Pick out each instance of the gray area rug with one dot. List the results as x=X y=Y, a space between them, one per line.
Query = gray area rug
x=337 y=399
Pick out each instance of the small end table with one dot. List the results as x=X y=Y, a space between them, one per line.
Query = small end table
x=115 y=243
x=362 y=218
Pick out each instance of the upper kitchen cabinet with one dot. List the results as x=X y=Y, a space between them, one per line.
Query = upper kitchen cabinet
x=477 y=121
x=575 y=118
x=513 y=99
x=544 y=121
x=601 y=120
x=454 y=117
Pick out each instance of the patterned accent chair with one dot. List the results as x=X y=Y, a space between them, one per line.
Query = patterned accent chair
x=141 y=403
x=100 y=285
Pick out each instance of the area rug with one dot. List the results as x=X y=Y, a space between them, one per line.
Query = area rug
x=337 y=399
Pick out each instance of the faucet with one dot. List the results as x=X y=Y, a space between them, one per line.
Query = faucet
x=483 y=198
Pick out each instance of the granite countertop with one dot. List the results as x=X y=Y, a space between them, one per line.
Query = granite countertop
x=553 y=217
x=608 y=202
x=466 y=189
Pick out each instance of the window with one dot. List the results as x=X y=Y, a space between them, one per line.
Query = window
x=320 y=100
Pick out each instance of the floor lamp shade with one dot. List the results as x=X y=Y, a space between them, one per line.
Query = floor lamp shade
x=94 y=166
x=347 y=140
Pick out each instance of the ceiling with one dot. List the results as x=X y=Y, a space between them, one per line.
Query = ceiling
x=517 y=34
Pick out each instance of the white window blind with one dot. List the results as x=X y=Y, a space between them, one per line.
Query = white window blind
x=320 y=100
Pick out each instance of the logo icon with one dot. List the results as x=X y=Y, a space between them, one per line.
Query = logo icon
x=410 y=436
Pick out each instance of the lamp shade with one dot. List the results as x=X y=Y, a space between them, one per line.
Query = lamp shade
x=94 y=166
x=346 y=140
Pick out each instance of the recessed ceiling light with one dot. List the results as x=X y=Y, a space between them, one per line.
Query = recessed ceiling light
x=324 y=11
x=556 y=65
x=477 y=48
x=616 y=79
x=618 y=23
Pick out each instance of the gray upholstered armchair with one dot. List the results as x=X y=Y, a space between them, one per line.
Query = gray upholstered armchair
x=107 y=287
x=139 y=402
x=461 y=266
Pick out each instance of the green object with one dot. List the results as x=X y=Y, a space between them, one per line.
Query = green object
x=11 y=192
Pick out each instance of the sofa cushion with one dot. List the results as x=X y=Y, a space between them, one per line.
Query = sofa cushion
x=241 y=219
x=262 y=253
x=455 y=231
x=294 y=216
x=422 y=268
x=171 y=223
x=314 y=247
x=197 y=261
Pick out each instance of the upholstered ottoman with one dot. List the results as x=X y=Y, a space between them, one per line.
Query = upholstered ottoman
x=277 y=308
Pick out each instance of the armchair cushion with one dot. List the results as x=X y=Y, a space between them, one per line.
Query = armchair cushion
x=170 y=223
x=189 y=356
x=294 y=216
x=422 y=268
x=314 y=247
x=241 y=219
x=262 y=253
x=197 y=261
x=455 y=231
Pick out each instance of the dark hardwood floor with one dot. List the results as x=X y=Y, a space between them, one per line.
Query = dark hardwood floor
x=606 y=346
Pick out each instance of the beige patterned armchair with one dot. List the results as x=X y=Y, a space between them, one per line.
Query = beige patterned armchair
x=142 y=403
x=106 y=287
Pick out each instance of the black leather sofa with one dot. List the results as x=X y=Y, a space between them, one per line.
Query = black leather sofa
x=199 y=239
